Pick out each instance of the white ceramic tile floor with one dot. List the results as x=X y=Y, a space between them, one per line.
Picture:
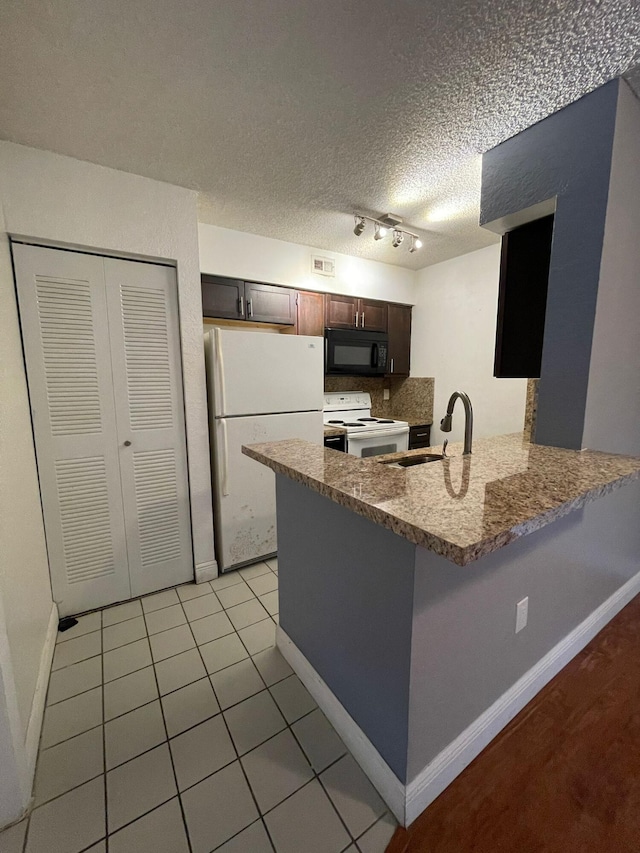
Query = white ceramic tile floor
x=203 y=605
x=211 y=745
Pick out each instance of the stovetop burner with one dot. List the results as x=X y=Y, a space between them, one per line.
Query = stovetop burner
x=368 y=420
x=386 y=421
x=354 y=424
x=335 y=422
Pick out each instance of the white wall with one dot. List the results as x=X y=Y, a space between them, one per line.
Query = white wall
x=612 y=415
x=24 y=569
x=453 y=339
x=61 y=201
x=239 y=255
x=26 y=605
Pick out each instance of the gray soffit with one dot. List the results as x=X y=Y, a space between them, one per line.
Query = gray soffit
x=288 y=116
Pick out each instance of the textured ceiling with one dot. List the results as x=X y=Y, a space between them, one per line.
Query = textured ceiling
x=287 y=116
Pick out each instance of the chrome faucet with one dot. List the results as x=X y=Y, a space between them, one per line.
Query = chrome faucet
x=445 y=423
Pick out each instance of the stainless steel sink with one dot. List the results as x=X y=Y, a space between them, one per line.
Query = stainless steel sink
x=410 y=461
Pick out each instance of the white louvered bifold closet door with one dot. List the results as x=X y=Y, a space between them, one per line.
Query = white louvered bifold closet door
x=143 y=319
x=63 y=314
x=101 y=339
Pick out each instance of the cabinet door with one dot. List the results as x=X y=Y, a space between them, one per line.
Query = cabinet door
x=373 y=315
x=63 y=314
x=399 y=339
x=419 y=436
x=142 y=309
x=522 y=300
x=310 y=313
x=341 y=312
x=267 y=303
x=223 y=297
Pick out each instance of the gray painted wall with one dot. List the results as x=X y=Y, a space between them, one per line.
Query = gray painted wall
x=567 y=155
x=352 y=624
x=612 y=418
x=465 y=650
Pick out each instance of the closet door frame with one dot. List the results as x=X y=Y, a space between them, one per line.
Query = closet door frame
x=68 y=603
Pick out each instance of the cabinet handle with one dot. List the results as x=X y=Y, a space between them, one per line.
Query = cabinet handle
x=241 y=306
x=362 y=323
x=422 y=434
x=356 y=319
x=391 y=365
x=127 y=443
x=250 y=307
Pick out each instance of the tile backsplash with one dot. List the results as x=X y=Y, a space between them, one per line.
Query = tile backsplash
x=409 y=398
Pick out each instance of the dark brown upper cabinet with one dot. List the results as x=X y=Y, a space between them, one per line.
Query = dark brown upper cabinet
x=223 y=297
x=310 y=313
x=267 y=303
x=232 y=299
x=349 y=312
x=399 y=317
x=373 y=315
x=341 y=312
x=522 y=300
x=305 y=312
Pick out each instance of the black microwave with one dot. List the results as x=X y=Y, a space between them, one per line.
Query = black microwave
x=352 y=352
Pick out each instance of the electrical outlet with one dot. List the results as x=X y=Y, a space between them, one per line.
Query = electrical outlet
x=522 y=614
x=385 y=393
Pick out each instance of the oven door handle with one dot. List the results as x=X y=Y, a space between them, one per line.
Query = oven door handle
x=374 y=355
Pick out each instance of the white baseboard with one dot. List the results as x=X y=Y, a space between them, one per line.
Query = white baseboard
x=206 y=571
x=408 y=802
x=32 y=739
x=390 y=788
x=440 y=772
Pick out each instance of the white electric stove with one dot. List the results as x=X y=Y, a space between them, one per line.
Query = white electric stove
x=366 y=435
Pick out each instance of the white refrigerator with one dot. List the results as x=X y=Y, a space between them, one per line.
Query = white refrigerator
x=261 y=387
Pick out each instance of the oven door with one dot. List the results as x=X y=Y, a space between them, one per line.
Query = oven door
x=355 y=353
x=377 y=442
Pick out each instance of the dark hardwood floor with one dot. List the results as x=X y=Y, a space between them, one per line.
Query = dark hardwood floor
x=563 y=776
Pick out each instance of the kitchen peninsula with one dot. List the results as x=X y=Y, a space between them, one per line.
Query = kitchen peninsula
x=399 y=587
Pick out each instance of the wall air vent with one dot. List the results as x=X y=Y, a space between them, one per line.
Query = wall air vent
x=323 y=266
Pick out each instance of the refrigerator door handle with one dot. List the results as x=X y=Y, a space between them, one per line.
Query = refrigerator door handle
x=225 y=458
x=220 y=360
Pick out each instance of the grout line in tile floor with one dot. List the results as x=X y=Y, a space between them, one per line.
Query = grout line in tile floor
x=239 y=756
x=166 y=731
x=104 y=743
x=264 y=825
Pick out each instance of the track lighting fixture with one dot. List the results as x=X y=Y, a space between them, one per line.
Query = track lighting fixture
x=382 y=226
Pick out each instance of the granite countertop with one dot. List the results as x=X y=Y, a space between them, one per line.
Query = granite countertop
x=463 y=507
x=334 y=430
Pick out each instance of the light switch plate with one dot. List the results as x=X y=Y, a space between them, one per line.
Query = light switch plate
x=385 y=393
x=522 y=614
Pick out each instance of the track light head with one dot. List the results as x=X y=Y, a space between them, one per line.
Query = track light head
x=381 y=227
x=398 y=237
